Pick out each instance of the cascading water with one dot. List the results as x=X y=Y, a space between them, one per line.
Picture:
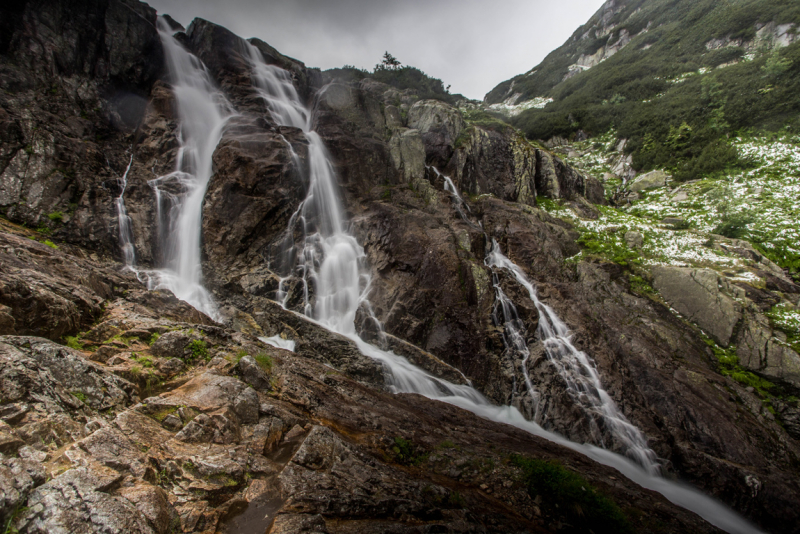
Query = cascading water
x=574 y=366
x=514 y=338
x=450 y=187
x=124 y=222
x=578 y=372
x=331 y=258
x=203 y=112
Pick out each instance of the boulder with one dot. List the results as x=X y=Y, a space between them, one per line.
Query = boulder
x=80 y=501
x=252 y=373
x=651 y=180
x=439 y=124
x=634 y=239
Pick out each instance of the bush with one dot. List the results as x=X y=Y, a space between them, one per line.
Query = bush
x=568 y=495
x=199 y=349
x=733 y=225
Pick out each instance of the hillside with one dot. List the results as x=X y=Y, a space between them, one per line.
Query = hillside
x=676 y=78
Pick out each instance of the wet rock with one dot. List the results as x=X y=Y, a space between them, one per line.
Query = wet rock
x=290 y=523
x=761 y=349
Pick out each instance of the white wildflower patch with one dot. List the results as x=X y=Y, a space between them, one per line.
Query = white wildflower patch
x=512 y=110
x=767 y=195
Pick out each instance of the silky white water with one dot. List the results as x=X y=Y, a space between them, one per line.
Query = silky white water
x=505 y=314
x=331 y=260
x=578 y=372
x=124 y=222
x=202 y=112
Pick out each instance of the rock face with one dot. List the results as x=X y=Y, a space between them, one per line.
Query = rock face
x=160 y=420
x=703 y=297
x=729 y=316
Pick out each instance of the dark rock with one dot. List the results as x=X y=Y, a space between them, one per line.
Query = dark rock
x=249 y=371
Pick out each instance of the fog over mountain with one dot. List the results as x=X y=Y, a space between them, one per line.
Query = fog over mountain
x=471 y=44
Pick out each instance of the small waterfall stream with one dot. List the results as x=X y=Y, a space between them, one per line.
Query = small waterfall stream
x=579 y=373
x=124 y=222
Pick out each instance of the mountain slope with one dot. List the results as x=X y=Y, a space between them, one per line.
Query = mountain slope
x=675 y=77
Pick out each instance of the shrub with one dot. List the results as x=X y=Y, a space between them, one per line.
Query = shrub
x=198 y=349
x=568 y=494
x=733 y=225
x=406 y=453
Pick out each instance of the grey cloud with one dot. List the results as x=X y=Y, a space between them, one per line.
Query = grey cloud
x=471 y=44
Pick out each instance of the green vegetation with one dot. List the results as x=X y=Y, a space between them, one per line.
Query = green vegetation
x=145 y=361
x=676 y=100
x=391 y=72
x=56 y=216
x=198 y=349
x=758 y=205
x=406 y=453
x=264 y=361
x=161 y=413
x=614 y=250
x=486 y=120
x=154 y=338
x=50 y=244
x=80 y=395
x=787 y=321
x=567 y=494
x=73 y=343
x=12 y=519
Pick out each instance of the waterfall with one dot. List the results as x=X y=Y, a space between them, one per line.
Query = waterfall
x=578 y=372
x=450 y=187
x=330 y=259
x=514 y=339
x=124 y=222
x=203 y=112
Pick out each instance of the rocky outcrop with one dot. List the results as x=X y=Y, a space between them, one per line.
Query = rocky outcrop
x=703 y=297
x=728 y=314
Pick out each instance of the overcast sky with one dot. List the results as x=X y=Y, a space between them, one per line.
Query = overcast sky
x=470 y=44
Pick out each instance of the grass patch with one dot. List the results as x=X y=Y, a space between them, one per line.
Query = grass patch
x=595 y=244
x=50 y=244
x=567 y=494
x=80 y=395
x=161 y=414
x=154 y=338
x=264 y=361
x=729 y=366
x=74 y=343
x=145 y=361
x=56 y=216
